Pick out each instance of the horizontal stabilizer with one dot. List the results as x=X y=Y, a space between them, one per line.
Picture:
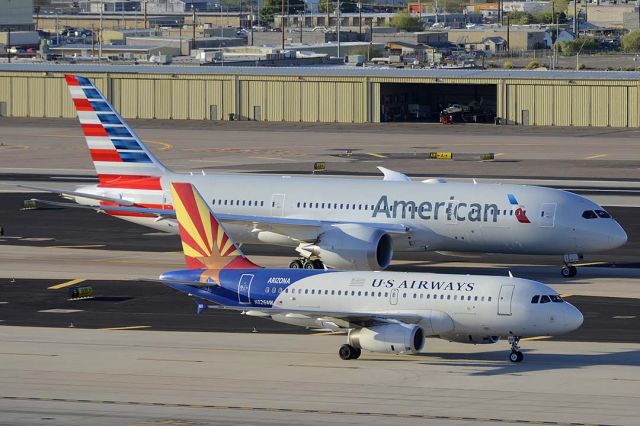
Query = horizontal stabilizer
x=81 y=194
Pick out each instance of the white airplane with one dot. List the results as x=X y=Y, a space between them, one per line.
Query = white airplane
x=389 y=312
x=339 y=222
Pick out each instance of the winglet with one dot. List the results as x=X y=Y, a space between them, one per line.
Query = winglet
x=205 y=243
x=392 y=175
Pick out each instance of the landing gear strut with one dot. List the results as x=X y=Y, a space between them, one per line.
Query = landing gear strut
x=347 y=352
x=515 y=355
x=303 y=263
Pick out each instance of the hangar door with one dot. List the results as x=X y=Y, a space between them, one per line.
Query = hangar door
x=404 y=102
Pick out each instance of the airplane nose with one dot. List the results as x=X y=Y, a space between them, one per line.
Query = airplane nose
x=618 y=237
x=573 y=318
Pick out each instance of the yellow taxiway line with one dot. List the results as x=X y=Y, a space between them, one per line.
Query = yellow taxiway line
x=132 y=327
x=593 y=157
x=66 y=284
x=528 y=339
x=373 y=154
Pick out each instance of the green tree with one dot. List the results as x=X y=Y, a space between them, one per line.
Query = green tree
x=274 y=7
x=631 y=42
x=404 y=22
x=520 y=18
x=581 y=44
x=346 y=6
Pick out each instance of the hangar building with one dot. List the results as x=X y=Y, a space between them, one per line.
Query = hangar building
x=321 y=94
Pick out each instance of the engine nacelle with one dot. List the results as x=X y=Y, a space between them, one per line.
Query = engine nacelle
x=472 y=339
x=388 y=338
x=353 y=246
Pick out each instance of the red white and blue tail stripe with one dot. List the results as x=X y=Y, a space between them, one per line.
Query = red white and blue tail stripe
x=121 y=159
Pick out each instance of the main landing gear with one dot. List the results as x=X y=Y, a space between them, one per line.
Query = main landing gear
x=347 y=352
x=569 y=270
x=303 y=263
x=515 y=355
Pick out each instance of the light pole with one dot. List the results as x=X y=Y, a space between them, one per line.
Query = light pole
x=180 y=36
x=193 y=37
x=360 y=18
x=338 y=27
x=282 y=24
x=301 y=19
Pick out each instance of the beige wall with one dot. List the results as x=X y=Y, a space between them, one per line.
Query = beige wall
x=558 y=102
x=518 y=40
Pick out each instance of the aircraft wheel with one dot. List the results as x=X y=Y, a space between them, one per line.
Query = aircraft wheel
x=317 y=264
x=516 y=356
x=296 y=264
x=356 y=353
x=569 y=271
x=309 y=265
x=346 y=352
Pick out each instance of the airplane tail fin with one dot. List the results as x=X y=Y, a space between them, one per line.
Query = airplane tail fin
x=120 y=157
x=205 y=243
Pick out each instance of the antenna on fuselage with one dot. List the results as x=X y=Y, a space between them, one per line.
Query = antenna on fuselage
x=510 y=274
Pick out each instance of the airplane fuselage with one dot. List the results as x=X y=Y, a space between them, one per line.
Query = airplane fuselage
x=450 y=305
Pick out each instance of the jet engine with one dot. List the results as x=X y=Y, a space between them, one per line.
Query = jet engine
x=353 y=246
x=388 y=338
x=472 y=339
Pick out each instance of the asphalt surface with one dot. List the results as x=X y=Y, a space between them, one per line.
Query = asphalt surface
x=54 y=226
x=147 y=305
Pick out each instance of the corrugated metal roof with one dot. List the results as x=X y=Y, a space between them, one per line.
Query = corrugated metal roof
x=323 y=71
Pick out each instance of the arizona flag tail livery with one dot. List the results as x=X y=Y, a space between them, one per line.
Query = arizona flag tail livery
x=205 y=243
x=121 y=159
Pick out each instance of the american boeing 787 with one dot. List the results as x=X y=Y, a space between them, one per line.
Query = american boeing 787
x=389 y=312
x=342 y=223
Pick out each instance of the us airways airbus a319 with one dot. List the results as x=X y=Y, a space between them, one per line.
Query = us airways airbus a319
x=389 y=312
x=338 y=222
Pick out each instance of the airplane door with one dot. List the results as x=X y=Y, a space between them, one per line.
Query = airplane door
x=393 y=297
x=277 y=205
x=244 y=289
x=548 y=215
x=504 y=300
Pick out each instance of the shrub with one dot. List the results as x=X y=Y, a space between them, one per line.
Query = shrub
x=533 y=65
x=507 y=65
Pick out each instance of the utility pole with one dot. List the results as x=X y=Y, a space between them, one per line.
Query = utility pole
x=100 y=34
x=575 y=18
x=144 y=7
x=8 y=45
x=360 y=19
x=301 y=19
x=251 y=23
x=193 y=36
x=339 y=19
x=282 y=24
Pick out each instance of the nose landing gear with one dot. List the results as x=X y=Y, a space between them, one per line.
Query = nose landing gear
x=515 y=355
x=569 y=270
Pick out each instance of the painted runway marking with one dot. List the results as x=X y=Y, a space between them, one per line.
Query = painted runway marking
x=288 y=410
x=25 y=354
x=61 y=311
x=165 y=146
x=528 y=339
x=624 y=316
x=373 y=154
x=66 y=284
x=593 y=157
x=169 y=360
x=131 y=327
x=78 y=246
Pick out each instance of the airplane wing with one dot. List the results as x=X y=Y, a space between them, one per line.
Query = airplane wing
x=282 y=225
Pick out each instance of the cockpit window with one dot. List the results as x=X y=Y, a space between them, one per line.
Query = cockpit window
x=589 y=214
x=603 y=214
x=535 y=299
x=544 y=299
x=555 y=298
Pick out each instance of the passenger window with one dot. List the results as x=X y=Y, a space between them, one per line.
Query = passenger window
x=545 y=299
x=379 y=294
x=339 y=292
x=455 y=297
x=333 y=292
x=341 y=205
x=298 y=204
x=404 y=295
x=244 y=202
x=225 y=202
x=261 y=203
x=313 y=291
x=475 y=299
x=353 y=293
x=603 y=214
x=386 y=294
x=482 y=299
x=280 y=290
x=286 y=290
x=366 y=206
x=306 y=291
x=421 y=296
x=448 y=297
x=428 y=296
x=266 y=290
x=589 y=214
x=535 y=299
x=441 y=296
x=335 y=205
x=415 y=295
x=489 y=299
x=359 y=293
x=366 y=293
